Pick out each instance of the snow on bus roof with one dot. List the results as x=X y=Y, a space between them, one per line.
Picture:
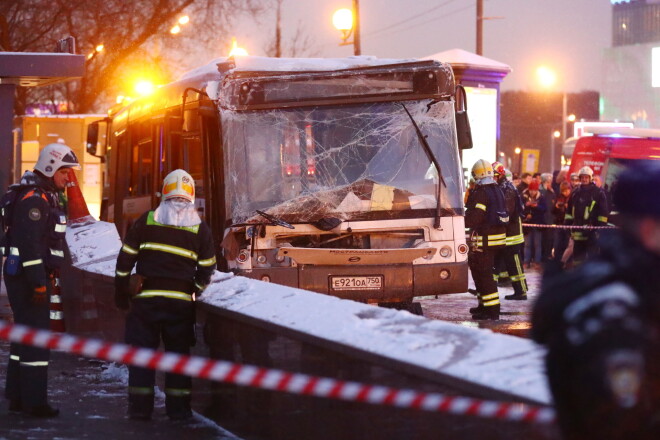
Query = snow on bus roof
x=266 y=64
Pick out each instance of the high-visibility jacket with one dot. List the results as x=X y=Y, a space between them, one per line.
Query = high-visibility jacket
x=484 y=210
x=587 y=206
x=514 y=207
x=36 y=230
x=175 y=261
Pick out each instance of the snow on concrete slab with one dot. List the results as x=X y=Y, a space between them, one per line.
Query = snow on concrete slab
x=507 y=363
x=94 y=246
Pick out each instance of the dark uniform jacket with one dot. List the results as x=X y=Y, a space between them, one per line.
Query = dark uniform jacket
x=486 y=215
x=174 y=261
x=587 y=205
x=35 y=240
x=514 y=208
x=601 y=324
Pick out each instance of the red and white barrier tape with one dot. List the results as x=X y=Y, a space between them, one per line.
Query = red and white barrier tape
x=276 y=380
x=571 y=227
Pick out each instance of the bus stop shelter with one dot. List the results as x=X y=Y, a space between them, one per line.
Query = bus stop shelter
x=26 y=69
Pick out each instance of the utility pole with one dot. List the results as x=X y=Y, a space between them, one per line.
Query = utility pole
x=278 y=31
x=357 y=50
x=480 y=27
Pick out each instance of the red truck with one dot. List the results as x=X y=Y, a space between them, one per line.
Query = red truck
x=610 y=149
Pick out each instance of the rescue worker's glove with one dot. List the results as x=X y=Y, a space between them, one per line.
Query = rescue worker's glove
x=122 y=299
x=39 y=295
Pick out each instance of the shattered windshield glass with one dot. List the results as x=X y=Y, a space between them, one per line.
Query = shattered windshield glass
x=352 y=162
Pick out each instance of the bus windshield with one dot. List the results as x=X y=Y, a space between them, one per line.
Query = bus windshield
x=352 y=162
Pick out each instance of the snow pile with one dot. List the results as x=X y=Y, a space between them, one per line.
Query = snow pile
x=94 y=247
x=506 y=363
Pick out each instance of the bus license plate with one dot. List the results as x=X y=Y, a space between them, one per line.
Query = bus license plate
x=373 y=282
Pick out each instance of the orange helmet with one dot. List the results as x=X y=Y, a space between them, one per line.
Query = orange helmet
x=498 y=169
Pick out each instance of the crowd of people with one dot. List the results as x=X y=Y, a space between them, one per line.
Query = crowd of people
x=529 y=221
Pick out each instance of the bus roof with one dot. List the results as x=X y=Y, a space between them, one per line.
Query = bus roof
x=209 y=78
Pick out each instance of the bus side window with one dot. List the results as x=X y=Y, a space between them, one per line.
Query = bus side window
x=193 y=158
x=141 y=183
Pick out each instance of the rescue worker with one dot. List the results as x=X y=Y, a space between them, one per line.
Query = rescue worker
x=486 y=218
x=587 y=206
x=35 y=224
x=601 y=324
x=175 y=258
x=509 y=256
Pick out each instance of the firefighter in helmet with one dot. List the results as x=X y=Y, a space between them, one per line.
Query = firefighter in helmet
x=587 y=206
x=172 y=249
x=509 y=257
x=486 y=218
x=34 y=219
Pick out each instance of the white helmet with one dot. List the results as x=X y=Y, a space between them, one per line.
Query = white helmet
x=179 y=183
x=482 y=171
x=56 y=156
x=586 y=171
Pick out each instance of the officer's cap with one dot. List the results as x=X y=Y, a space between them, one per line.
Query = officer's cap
x=636 y=191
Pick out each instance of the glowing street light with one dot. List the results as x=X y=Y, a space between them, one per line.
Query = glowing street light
x=347 y=21
x=548 y=78
x=144 y=87
x=98 y=49
x=235 y=50
x=184 y=20
x=175 y=29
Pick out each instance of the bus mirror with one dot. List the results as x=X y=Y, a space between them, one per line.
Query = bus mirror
x=96 y=137
x=463 y=131
x=92 y=137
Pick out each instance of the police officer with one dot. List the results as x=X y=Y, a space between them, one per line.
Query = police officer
x=509 y=256
x=587 y=206
x=34 y=247
x=175 y=258
x=486 y=218
x=601 y=324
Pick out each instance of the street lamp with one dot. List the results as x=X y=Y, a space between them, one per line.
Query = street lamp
x=548 y=78
x=348 y=22
x=518 y=150
x=235 y=50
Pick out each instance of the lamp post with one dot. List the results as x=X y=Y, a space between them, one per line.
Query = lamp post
x=548 y=78
x=348 y=22
x=518 y=150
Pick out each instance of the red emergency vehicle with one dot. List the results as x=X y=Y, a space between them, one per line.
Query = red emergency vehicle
x=610 y=149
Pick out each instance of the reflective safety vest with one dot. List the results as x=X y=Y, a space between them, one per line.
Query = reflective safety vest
x=175 y=261
x=485 y=210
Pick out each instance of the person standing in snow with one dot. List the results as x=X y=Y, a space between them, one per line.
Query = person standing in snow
x=175 y=257
x=587 y=206
x=601 y=324
x=35 y=223
x=486 y=217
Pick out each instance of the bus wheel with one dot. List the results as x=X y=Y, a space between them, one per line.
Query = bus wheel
x=413 y=307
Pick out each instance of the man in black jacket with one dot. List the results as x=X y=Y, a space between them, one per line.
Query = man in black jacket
x=601 y=324
x=486 y=217
x=35 y=222
x=509 y=256
x=175 y=257
x=587 y=206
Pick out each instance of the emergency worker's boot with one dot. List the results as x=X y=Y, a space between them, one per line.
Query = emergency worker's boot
x=178 y=407
x=489 y=312
x=517 y=296
x=477 y=309
x=42 y=411
x=140 y=407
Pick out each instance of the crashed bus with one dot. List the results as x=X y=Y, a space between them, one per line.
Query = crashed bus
x=339 y=176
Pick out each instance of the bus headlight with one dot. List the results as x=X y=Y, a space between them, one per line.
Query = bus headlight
x=444 y=274
x=265 y=278
x=445 y=251
x=261 y=259
x=243 y=256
